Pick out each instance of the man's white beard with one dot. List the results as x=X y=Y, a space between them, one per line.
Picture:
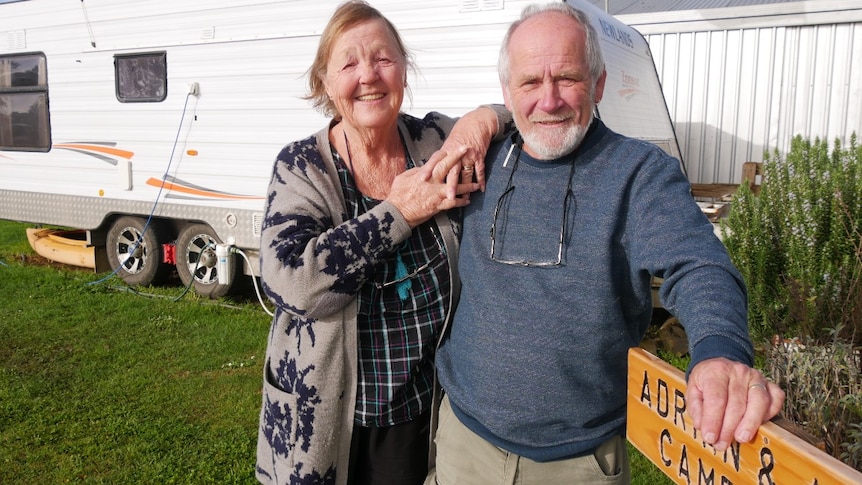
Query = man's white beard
x=555 y=145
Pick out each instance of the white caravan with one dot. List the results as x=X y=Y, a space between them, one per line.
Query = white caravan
x=152 y=127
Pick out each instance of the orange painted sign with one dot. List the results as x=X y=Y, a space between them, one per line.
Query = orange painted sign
x=659 y=427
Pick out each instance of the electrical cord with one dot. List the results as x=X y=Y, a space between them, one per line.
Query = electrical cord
x=155 y=203
x=177 y=298
x=254 y=282
x=129 y=289
x=187 y=288
x=192 y=279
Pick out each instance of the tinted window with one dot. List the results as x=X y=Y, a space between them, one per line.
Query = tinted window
x=141 y=77
x=24 y=121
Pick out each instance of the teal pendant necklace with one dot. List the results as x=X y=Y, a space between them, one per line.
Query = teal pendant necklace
x=404 y=284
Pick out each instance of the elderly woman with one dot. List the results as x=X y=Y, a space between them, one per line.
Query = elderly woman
x=358 y=253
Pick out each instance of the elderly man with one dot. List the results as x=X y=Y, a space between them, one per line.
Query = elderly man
x=556 y=261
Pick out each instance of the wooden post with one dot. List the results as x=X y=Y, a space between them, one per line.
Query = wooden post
x=659 y=426
x=750 y=172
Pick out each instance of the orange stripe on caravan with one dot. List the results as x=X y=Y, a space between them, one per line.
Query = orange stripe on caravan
x=99 y=148
x=203 y=193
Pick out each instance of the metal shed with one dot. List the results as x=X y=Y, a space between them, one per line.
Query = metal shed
x=626 y=7
x=742 y=80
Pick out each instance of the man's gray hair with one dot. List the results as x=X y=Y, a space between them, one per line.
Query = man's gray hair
x=593 y=49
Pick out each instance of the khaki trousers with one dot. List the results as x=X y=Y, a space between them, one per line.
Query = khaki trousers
x=464 y=458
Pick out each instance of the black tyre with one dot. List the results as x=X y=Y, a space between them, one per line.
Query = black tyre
x=137 y=253
x=196 y=261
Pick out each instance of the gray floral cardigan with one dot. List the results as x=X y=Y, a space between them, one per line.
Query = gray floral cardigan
x=310 y=369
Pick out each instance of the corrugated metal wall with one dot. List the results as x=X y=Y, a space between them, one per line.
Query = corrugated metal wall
x=623 y=7
x=748 y=79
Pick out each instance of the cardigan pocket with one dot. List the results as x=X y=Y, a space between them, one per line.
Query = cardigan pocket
x=300 y=430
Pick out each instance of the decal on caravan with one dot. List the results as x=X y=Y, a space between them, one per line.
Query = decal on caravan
x=151 y=127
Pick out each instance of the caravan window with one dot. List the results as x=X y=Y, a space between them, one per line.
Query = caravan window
x=141 y=77
x=24 y=123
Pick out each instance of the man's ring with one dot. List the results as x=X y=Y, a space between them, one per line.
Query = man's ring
x=762 y=386
x=467 y=169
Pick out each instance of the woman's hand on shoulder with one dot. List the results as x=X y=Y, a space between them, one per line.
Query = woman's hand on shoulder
x=422 y=192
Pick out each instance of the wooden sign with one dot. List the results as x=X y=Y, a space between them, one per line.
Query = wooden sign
x=659 y=426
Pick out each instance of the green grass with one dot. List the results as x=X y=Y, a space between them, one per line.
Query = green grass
x=101 y=385
x=105 y=386
x=644 y=472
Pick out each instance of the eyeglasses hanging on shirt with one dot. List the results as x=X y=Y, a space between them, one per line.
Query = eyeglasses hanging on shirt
x=551 y=261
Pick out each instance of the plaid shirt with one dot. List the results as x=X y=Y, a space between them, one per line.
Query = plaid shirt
x=398 y=322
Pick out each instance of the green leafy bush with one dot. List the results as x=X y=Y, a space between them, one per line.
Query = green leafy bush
x=798 y=244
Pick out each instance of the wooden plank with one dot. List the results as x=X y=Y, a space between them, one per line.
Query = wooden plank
x=715 y=191
x=660 y=428
x=751 y=175
x=714 y=211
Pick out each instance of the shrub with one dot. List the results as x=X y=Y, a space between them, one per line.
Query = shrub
x=824 y=393
x=798 y=244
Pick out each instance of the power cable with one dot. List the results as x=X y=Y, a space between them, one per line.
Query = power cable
x=254 y=282
x=156 y=202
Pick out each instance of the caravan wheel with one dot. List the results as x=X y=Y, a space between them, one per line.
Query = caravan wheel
x=196 y=261
x=139 y=263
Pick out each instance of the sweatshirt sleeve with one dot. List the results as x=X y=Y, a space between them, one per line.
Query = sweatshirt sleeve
x=675 y=241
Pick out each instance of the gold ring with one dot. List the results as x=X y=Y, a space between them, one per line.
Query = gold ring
x=762 y=386
x=467 y=169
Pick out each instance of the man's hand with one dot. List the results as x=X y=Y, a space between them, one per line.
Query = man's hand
x=474 y=130
x=730 y=400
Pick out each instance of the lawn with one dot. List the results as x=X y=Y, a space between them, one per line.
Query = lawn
x=99 y=384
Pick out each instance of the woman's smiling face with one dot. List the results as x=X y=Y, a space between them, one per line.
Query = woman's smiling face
x=366 y=76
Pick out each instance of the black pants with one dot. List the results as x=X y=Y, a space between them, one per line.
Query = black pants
x=394 y=455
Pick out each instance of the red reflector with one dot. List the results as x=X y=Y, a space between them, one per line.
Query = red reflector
x=169 y=253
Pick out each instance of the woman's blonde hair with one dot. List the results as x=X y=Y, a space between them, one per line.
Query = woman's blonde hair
x=346 y=16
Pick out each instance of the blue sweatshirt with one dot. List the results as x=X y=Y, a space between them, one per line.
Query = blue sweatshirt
x=536 y=359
